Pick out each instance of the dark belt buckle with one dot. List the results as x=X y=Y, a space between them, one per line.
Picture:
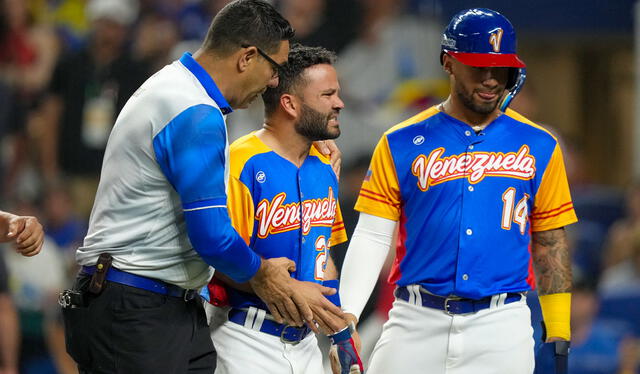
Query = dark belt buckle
x=287 y=341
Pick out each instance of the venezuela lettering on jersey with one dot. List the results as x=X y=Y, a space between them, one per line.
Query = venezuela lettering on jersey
x=474 y=166
x=275 y=217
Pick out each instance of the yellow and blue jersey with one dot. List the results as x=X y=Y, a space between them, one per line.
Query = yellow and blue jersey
x=466 y=202
x=282 y=210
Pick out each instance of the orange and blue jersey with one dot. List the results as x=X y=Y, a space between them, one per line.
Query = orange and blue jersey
x=282 y=210
x=466 y=202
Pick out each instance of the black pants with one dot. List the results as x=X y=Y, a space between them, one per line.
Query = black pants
x=129 y=330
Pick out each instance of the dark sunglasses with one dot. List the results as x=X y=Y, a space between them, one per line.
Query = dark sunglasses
x=277 y=68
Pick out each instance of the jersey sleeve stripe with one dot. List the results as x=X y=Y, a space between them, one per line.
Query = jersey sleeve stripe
x=205 y=207
x=553 y=210
x=337 y=228
x=378 y=200
x=555 y=214
x=205 y=204
x=372 y=193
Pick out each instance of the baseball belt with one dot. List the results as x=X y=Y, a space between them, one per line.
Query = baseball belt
x=287 y=334
x=157 y=286
x=456 y=305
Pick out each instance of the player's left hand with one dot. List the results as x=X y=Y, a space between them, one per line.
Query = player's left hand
x=343 y=354
x=26 y=233
x=330 y=148
x=552 y=357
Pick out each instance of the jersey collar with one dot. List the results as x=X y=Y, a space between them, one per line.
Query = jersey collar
x=206 y=81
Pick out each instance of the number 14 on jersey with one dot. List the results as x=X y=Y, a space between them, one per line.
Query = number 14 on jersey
x=512 y=212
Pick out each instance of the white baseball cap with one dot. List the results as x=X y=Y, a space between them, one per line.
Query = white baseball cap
x=122 y=11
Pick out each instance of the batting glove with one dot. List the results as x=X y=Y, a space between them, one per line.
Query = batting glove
x=343 y=353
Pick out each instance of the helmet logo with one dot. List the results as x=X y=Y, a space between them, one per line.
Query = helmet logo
x=495 y=39
x=448 y=43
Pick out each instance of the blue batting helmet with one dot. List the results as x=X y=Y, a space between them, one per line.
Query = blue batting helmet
x=485 y=38
x=481 y=37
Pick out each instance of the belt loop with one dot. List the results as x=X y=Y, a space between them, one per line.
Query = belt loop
x=415 y=288
x=257 y=324
x=251 y=314
x=412 y=297
x=494 y=302
x=501 y=299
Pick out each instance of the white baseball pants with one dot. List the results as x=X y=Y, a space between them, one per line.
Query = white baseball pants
x=417 y=339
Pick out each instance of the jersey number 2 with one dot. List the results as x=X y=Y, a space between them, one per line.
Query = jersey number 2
x=516 y=213
x=321 y=258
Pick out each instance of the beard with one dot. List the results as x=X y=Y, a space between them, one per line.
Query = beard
x=478 y=107
x=313 y=124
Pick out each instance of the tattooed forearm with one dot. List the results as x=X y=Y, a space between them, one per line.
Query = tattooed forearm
x=551 y=261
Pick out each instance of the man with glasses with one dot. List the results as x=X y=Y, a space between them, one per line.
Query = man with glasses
x=159 y=224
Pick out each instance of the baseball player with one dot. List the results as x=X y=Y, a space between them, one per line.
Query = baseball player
x=283 y=201
x=469 y=185
x=24 y=232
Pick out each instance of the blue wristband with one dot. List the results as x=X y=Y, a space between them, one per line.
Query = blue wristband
x=335 y=298
x=341 y=336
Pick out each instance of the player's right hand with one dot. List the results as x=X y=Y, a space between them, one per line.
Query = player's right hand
x=272 y=284
x=294 y=302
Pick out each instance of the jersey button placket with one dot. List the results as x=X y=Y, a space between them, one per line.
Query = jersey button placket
x=300 y=202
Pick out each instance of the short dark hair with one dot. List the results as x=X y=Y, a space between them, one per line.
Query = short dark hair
x=300 y=58
x=247 y=22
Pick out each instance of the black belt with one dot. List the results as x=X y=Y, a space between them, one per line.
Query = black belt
x=454 y=305
x=288 y=334
x=138 y=281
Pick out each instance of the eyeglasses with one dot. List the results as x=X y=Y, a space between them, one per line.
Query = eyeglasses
x=277 y=68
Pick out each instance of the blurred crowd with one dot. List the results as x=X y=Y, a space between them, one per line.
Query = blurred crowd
x=68 y=66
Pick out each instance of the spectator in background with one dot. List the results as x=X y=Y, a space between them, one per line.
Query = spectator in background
x=67 y=17
x=597 y=346
x=389 y=72
x=155 y=37
x=61 y=222
x=63 y=226
x=624 y=233
x=42 y=345
x=332 y=24
x=625 y=274
x=27 y=57
x=10 y=337
x=88 y=89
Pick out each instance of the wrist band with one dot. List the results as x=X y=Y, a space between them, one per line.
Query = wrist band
x=335 y=298
x=556 y=312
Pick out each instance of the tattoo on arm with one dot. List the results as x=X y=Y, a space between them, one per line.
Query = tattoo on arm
x=551 y=261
